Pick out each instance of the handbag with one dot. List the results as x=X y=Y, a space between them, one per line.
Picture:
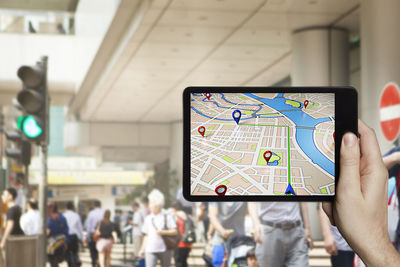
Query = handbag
x=171 y=241
x=96 y=233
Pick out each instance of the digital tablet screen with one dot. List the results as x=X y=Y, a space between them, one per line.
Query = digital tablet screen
x=270 y=144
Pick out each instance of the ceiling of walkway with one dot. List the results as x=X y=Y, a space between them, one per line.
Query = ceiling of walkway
x=179 y=43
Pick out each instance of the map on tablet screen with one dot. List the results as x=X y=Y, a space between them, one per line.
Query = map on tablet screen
x=262 y=144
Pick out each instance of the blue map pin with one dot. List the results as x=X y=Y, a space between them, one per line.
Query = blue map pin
x=236 y=115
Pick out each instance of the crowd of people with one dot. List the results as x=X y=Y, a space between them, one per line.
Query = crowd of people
x=236 y=233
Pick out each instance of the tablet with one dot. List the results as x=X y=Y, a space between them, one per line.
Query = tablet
x=264 y=143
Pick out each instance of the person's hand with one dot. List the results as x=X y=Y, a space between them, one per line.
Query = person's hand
x=258 y=233
x=160 y=232
x=141 y=254
x=396 y=155
x=331 y=245
x=2 y=245
x=308 y=238
x=209 y=236
x=227 y=233
x=360 y=207
x=395 y=158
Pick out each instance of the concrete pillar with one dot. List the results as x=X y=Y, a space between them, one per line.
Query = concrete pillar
x=320 y=58
x=380 y=58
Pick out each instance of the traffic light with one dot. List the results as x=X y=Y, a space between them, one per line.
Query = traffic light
x=21 y=150
x=33 y=101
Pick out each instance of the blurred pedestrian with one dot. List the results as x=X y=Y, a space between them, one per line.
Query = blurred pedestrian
x=117 y=223
x=123 y=218
x=392 y=162
x=137 y=223
x=145 y=202
x=187 y=205
x=57 y=233
x=182 y=251
x=157 y=224
x=75 y=234
x=128 y=229
x=282 y=238
x=94 y=217
x=251 y=258
x=129 y=219
x=248 y=225
x=13 y=216
x=203 y=217
x=106 y=239
x=30 y=221
x=12 y=219
x=341 y=253
x=227 y=218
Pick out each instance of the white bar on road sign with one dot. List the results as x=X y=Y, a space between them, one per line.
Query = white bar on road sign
x=390 y=113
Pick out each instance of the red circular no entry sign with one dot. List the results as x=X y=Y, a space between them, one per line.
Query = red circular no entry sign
x=389 y=111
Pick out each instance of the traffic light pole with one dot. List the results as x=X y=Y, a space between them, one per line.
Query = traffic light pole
x=25 y=187
x=43 y=203
x=43 y=182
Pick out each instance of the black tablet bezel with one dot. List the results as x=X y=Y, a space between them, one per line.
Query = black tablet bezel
x=346 y=120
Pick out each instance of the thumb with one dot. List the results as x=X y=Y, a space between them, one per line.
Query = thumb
x=349 y=178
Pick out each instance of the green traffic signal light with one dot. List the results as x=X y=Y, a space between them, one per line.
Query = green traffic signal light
x=20 y=121
x=31 y=127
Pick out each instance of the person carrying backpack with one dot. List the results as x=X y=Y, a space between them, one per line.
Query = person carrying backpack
x=57 y=234
x=186 y=229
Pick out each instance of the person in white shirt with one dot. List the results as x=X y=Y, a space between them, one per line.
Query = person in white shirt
x=30 y=221
x=94 y=217
x=75 y=234
x=137 y=223
x=157 y=224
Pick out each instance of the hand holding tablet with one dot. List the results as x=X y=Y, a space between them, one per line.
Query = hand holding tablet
x=360 y=208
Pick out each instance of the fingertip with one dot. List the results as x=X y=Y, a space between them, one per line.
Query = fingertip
x=349 y=140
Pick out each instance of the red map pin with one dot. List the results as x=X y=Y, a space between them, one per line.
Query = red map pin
x=221 y=190
x=305 y=103
x=202 y=130
x=333 y=136
x=208 y=95
x=267 y=155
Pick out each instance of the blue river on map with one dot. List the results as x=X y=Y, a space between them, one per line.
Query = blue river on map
x=229 y=107
x=304 y=137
